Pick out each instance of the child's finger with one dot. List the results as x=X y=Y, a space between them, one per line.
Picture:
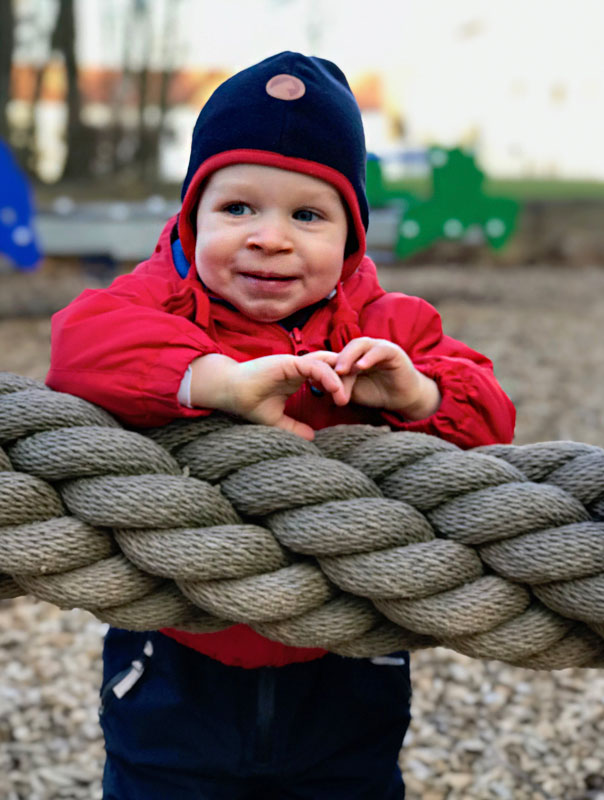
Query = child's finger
x=351 y=354
x=376 y=351
x=322 y=375
x=376 y=355
x=294 y=426
x=327 y=356
x=341 y=396
x=348 y=382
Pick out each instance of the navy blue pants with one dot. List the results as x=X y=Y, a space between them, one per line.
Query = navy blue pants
x=181 y=726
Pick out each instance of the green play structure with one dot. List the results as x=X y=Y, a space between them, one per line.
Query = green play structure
x=458 y=209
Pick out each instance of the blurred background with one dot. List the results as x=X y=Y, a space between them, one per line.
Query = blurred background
x=486 y=183
x=98 y=99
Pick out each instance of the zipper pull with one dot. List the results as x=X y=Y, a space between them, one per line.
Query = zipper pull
x=137 y=667
x=296 y=337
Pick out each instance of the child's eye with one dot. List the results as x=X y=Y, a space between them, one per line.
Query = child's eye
x=306 y=215
x=237 y=209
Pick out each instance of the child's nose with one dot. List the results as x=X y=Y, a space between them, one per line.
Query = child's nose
x=271 y=234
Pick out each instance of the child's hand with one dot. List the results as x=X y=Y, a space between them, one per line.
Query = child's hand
x=383 y=376
x=259 y=389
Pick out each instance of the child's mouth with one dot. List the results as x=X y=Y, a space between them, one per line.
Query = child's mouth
x=267 y=276
x=267 y=284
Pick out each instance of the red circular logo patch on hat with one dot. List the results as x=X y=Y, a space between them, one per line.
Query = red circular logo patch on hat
x=285 y=87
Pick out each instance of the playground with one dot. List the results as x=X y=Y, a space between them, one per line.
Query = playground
x=480 y=729
x=485 y=185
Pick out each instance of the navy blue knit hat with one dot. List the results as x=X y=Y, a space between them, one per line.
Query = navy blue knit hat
x=290 y=111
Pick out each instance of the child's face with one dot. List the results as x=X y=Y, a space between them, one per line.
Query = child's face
x=269 y=241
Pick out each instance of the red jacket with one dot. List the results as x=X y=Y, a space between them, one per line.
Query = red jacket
x=127 y=347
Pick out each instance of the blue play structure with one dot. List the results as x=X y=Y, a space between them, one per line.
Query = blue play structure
x=18 y=241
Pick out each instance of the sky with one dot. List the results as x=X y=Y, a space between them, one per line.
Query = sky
x=536 y=35
x=522 y=80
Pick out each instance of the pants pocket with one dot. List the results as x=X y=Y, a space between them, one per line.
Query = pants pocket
x=382 y=687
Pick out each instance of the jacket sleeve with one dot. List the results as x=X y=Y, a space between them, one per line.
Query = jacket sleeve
x=474 y=409
x=121 y=349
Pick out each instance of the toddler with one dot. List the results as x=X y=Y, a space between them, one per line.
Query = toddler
x=259 y=300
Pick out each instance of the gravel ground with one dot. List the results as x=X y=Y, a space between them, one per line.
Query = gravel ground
x=481 y=730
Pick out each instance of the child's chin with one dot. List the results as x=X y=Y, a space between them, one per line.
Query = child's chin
x=267 y=315
x=266 y=318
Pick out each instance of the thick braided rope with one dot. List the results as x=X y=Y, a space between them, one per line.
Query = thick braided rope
x=363 y=542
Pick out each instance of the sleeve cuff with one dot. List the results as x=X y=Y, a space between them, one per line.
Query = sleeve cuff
x=184 y=391
x=473 y=411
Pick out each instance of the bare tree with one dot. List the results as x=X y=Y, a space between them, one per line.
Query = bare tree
x=63 y=41
x=30 y=35
x=145 y=26
x=145 y=79
x=7 y=38
x=169 y=47
x=128 y=140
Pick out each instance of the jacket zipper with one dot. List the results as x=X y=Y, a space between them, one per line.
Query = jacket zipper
x=300 y=350
x=296 y=336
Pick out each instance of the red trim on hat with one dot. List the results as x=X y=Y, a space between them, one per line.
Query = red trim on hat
x=186 y=220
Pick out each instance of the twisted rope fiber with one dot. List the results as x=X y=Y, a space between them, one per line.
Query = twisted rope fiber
x=363 y=542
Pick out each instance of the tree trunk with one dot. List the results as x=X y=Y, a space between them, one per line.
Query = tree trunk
x=144 y=79
x=29 y=148
x=171 y=10
x=63 y=40
x=7 y=35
